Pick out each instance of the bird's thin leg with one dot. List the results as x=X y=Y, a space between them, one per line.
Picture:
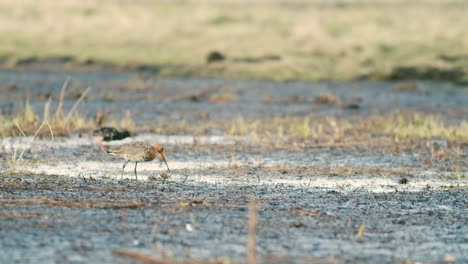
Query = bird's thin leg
x=136 y=177
x=123 y=168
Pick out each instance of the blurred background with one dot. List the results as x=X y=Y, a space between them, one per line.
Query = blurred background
x=260 y=39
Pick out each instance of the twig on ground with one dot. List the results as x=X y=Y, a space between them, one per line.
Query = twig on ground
x=58 y=111
x=77 y=103
x=251 y=227
x=61 y=98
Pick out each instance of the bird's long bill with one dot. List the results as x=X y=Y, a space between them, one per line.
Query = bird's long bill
x=164 y=159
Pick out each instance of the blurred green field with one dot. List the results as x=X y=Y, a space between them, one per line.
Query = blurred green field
x=279 y=40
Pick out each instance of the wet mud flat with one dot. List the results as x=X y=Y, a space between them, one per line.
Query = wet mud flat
x=63 y=219
x=74 y=207
x=374 y=200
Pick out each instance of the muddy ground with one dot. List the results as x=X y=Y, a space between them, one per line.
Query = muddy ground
x=367 y=203
x=148 y=99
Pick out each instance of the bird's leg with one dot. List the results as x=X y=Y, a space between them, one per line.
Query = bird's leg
x=123 y=168
x=136 y=177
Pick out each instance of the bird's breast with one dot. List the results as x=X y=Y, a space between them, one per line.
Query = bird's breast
x=149 y=155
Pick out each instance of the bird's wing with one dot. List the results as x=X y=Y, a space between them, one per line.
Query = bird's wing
x=134 y=148
x=105 y=132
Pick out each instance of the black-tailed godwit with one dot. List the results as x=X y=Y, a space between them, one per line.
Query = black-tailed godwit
x=137 y=151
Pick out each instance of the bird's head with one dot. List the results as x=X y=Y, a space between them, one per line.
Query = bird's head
x=125 y=134
x=158 y=148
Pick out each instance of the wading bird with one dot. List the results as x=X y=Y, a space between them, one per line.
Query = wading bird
x=138 y=151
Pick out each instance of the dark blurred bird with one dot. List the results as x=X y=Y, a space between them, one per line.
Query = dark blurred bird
x=138 y=151
x=108 y=134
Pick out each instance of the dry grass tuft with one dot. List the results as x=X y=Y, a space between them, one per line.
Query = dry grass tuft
x=16 y=159
x=361 y=229
x=336 y=130
x=293 y=99
x=409 y=86
x=327 y=99
x=223 y=98
x=57 y=122
x=416 y=125
x=60 y=123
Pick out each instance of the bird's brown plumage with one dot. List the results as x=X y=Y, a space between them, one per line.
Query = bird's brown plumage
x=138 y=151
